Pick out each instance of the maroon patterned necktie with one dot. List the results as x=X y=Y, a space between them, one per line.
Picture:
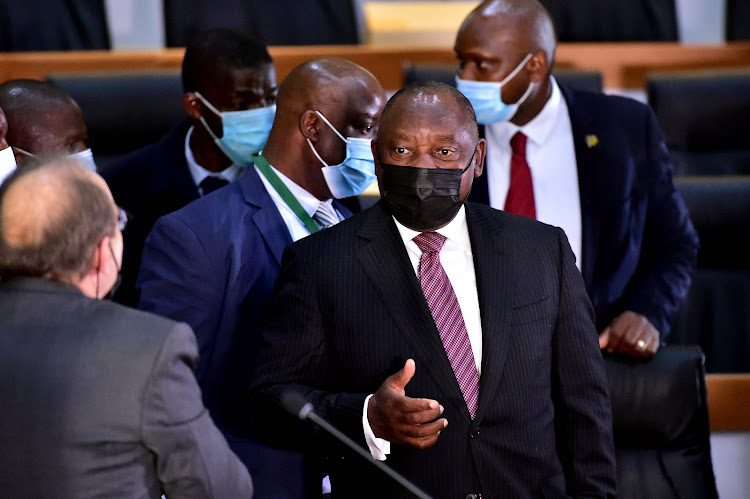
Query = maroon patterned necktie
x=446 y=312
x=520 y=200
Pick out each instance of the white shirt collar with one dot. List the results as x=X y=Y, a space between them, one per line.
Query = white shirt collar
x=456 y=231
x=539 y=128
x=230 y=174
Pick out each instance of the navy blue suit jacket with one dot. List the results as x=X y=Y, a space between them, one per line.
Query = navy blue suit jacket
x=149 y=183
x=213 y=265
x=639 y=245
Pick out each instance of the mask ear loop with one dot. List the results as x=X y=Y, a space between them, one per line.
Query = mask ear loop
x=325 y=120
x=331 y=126
x=27 y=153
x=515 y=71
x=203 y=120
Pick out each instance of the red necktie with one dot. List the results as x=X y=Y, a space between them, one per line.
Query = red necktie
x=520 y=200
x=446 y=312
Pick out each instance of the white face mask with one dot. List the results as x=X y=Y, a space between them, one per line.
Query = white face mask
x=84 y=158
x=7 y=163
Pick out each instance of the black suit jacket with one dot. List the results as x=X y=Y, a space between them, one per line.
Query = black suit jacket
x=348 y=311
x=149 y=183
x=639 y=246
x=99 y=400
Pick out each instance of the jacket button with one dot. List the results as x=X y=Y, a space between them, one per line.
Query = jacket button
x=473 y=496
x=474 y=433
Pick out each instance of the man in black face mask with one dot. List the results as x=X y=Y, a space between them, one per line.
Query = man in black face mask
x=499 y=387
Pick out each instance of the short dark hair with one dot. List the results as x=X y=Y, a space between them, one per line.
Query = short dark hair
x=70 y=237
x=433 y=87
x=218 y=48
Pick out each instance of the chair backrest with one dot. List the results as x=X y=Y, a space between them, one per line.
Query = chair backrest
x=705 y=117
x=53 y=25
x=124 y=111
x=660 y=421
x=715 y=312
x=738 y=20
x=446 y=73
x=613 y=20
x=291 y=22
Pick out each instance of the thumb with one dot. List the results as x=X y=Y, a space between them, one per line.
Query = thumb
x=402 y=378
x=604 y=338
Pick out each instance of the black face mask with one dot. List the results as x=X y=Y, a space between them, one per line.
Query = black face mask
x=422 y=198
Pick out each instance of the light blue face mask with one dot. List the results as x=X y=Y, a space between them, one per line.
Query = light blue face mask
x=356 y=173
x=244 y=132
x=486 y=97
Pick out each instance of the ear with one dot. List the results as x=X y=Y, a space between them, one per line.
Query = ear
x=538 y=66
x=103 y=257
x=479 y=156
x=309 y=124
x=192 y=105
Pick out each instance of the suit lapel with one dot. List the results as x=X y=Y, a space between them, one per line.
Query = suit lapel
x=587 y=159
x=493 y=264
x=267 y=219
x=173 y=178
x=387 y=264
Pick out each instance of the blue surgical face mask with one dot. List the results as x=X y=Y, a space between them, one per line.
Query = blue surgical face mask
x=356 y=173
x=486 y=97
x=7 y=163
x=84 y=158
x=244 y=133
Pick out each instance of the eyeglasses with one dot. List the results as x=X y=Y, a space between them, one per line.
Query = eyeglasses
x=122 y=218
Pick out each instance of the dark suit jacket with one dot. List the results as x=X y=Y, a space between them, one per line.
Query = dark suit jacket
x=639 y=246
x=149 y=183
x=213 y=264
x=100 y=400
x=543 y=425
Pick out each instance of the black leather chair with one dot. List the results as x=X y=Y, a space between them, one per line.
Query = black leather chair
x=716 y=311
x=613 y=20
x=446 y=73
x=124 y=111
x=738 y=20
x=660 y=422
x=705 y=117
x=291 y=22
x=53 y=25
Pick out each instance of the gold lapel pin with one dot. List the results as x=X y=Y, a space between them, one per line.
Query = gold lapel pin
x=592 y=140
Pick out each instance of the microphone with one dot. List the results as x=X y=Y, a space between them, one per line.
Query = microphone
x=296 y=404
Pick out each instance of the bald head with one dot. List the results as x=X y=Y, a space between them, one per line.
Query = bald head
x=429 y=93
x=52 y=217
x=321 y=83
x=527 y=21
x=42 y=119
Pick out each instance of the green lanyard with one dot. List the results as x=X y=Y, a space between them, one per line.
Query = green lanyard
x=285 y=193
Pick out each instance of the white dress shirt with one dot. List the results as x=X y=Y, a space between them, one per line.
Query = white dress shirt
x=308 y=202
x=551 y=155
x=199 y=174
x=457 y=260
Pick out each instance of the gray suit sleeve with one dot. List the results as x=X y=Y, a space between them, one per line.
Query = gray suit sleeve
x=192 y=457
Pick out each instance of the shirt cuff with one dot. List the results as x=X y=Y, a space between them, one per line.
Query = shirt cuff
x=379 y=448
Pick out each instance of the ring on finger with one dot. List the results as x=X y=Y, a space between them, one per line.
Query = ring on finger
x=641 y=344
